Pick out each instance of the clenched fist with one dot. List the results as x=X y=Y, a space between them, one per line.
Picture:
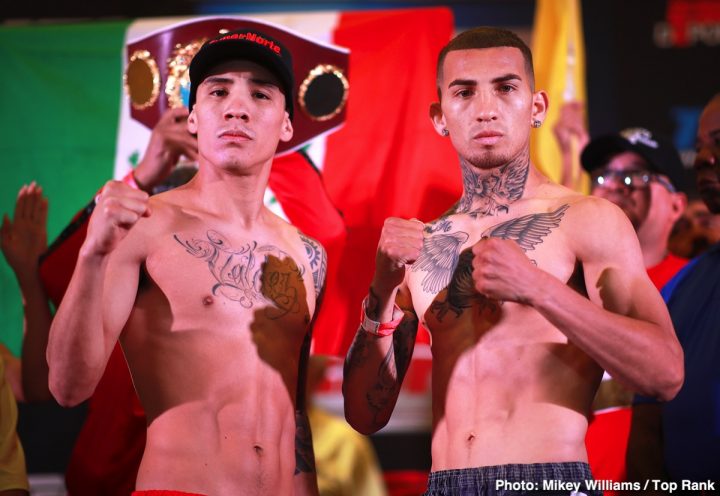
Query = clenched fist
x=401 y=242
x=502 y=271
x=117 y=209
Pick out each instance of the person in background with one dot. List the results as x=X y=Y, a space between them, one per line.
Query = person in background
x=107 y=452
x=696 y=231
x=13 y=476
x=22 y=240
x=642 y=174
x=679 y=439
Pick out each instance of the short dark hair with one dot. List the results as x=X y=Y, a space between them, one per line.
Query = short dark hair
x=486 y=37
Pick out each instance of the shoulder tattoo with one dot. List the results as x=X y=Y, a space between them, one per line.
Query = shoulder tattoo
x=317 y=258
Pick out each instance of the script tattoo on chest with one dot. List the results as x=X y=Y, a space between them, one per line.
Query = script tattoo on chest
x=251 y=273
x=449 y=269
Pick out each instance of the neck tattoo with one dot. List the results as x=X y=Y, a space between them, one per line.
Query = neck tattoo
x=490 y=192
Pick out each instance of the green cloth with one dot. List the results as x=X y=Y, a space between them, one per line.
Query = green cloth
x=60 y=98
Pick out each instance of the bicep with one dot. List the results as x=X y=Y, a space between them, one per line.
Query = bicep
x=615 y=274
x=120 y=287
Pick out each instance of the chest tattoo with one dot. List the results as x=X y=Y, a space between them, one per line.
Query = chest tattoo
x=447 y=268
x=251 y=273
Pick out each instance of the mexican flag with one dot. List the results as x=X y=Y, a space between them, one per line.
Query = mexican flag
x=61 y=99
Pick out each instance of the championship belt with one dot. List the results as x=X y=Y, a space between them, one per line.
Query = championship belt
x=156 y=75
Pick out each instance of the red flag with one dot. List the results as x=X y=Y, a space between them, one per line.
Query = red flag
x=387 y=160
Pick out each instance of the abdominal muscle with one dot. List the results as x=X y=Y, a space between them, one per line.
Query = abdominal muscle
x=519 y=394
x=221 y=418
x=210 y=449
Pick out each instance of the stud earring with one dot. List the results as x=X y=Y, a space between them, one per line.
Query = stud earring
x=536 y=123
x=445 y=132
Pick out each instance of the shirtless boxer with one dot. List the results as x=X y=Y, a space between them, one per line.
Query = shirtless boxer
x=211 y=295
x=529 y=289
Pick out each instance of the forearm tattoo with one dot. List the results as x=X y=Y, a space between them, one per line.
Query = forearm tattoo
x=394 y=366
x=317 y=257
x=251 y=274
x=304 y=455
x=391 y=371
x=360 y=347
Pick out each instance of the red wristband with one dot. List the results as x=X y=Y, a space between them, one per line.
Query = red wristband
x=129 y=179
x=378 y=328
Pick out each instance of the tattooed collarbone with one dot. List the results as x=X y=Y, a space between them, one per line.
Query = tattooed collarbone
x=250 y=273
x=528 y=230
x=441 y=249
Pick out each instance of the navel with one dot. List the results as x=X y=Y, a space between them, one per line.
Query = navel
x=470 y=438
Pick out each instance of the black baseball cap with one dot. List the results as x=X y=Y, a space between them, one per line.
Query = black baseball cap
x=660 y=154
x=244 y=44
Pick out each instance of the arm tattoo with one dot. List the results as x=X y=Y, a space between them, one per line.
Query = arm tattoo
x=304 y=456
x=359 y=349
x=358 y=352
x=250 y=274
x=394 y=366
x=318 y=261
x=491 y=192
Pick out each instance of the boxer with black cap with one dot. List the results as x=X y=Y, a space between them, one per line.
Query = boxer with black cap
x=211 y=295
x=250 y=45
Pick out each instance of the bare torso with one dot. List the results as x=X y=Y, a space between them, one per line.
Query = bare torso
x=214 y=343
x=508 y=387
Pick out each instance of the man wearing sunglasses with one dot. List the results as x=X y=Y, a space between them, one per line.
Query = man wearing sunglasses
x=642 y=174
